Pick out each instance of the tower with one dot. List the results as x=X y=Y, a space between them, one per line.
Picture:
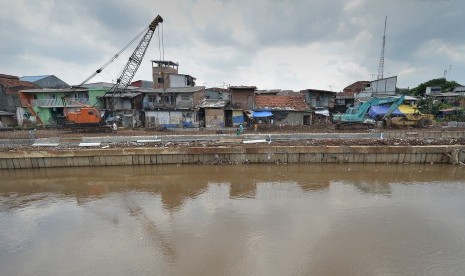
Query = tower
x=381 y=59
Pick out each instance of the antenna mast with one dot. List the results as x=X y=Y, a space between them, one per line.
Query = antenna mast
x=381 y=59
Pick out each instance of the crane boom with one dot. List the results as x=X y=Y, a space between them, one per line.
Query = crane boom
x=132 y=65
x=87 y=115
x=136 y=58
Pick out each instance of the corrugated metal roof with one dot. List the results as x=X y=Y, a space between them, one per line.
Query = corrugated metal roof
x=173 y=90
x=55 y=90
x=4 y=113
x=211 y=103
x=243 y=87
x=12 y=83
x=34 y=78
x=99 y=85
x=122 y=95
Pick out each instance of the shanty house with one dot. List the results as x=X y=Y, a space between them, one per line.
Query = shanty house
x=451 y=98
x=322 y=102
x=343 y=101
x=172 y=107
x=165 y=75
x=284 y=110
x=46 y=81
x=319 y=98
x=212 y=113
x=347 y=97
x=46 y=106
x=9 y=87
x=142 y=84
x=242 y=100
x=126 y=107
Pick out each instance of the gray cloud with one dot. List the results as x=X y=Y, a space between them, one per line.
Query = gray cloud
x=296 y=44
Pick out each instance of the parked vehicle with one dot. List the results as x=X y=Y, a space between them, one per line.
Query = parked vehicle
x=417 y=119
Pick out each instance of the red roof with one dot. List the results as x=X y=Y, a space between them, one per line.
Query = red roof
x=346 y=95
x=289 y=103
x=12 y=84
x=356 y=86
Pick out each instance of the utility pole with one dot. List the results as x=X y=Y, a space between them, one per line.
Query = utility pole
x=381 y=59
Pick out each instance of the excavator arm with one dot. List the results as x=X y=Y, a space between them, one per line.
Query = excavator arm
x=393 y=107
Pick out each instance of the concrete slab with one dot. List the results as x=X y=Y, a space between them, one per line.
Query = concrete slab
x=149 y=141
x=40 y=144
x=90 y=144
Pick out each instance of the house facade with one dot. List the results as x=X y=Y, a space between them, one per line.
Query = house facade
x=46 y=106
x=319 y=98
x=378 y=88
x=172 y=107
x=242 y=100
x=9 y=88
x=212 y=113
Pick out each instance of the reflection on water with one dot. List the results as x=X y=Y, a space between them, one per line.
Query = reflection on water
x=351 y=219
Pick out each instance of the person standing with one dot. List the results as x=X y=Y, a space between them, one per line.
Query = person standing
x=241 y=128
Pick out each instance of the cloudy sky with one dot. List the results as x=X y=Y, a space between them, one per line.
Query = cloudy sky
x=272 y=44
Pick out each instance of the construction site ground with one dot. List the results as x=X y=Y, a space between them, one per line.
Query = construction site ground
x=15 y=140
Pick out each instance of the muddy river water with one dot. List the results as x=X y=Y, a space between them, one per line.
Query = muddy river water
x=324 y=219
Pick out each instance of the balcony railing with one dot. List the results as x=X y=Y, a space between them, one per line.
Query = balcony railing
x=153 y=105
x=59 y=102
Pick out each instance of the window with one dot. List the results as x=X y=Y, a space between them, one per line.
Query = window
x=153 y=99
x=340 y=102
x=185 y=97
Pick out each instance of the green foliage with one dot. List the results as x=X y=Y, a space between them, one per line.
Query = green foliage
x=428 y=106
x=441 y=82
x=458 y=116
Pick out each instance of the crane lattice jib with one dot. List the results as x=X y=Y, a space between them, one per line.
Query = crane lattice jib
x=136 y=58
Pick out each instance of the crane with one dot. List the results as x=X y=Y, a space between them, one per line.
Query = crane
x=88 y=115
x=133 y=63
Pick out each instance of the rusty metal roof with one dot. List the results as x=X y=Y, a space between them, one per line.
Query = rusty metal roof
x=212 y=103
x=122 y=95
x=13 y=84
x=283 y=103
x=189 y=89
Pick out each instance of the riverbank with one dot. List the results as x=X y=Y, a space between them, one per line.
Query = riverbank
x=128 y=147
x=453 y=154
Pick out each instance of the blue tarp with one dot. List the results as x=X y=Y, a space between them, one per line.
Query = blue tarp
x=261 y=114
x=378 y=111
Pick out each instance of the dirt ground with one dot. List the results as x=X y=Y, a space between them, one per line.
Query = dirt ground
x=75 y=135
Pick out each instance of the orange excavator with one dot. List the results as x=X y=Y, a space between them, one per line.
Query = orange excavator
x=87 y=115
x=84 y=115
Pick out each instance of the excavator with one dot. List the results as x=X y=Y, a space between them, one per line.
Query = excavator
x=416 y=119
x=356 y=118
x=87 y=115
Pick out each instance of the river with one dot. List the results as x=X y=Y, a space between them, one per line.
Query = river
x=317 y=219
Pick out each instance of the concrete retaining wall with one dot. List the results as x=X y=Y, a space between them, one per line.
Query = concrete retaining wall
x=433 y=134
x=232 y=155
